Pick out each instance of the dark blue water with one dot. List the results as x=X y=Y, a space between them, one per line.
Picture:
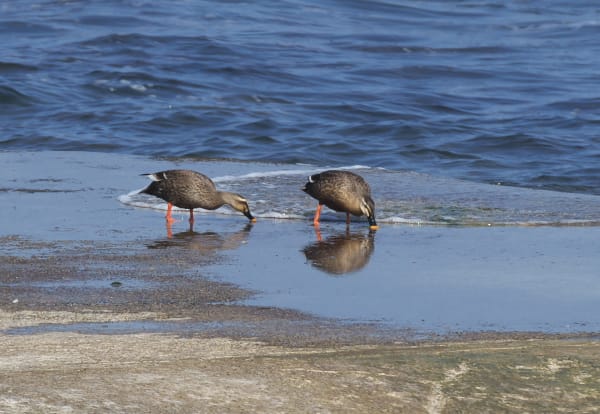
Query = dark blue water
x=478 y=90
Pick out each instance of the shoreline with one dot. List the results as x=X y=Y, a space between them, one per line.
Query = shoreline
x=81 y=343
x=203 y=280
x=429 y=280
x=424 y=278
x=101 y=310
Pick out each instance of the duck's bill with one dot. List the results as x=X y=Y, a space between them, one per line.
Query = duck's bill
x=372 y=223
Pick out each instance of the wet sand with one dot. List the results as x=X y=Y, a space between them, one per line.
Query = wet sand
x=166 y=341
x=100 y=311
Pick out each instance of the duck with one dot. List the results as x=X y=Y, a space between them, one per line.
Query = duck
x=189 y=190
x=342 y=191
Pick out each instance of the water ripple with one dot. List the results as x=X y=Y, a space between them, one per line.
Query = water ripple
x=484 y=91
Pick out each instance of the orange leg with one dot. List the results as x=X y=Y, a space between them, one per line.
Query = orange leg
x=169 y=229
x=317 y=215
x=168 y=216
x=318 y=233
x=347 y=219
x=191 y=216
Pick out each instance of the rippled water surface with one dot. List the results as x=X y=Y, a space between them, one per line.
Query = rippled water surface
x=476 y=90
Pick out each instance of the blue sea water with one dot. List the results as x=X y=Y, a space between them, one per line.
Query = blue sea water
x=456 y=112
x=484 y=91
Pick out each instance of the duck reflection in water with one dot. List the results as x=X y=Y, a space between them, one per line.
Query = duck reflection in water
x=207 y=242
x=169 y=227
x=341 y=253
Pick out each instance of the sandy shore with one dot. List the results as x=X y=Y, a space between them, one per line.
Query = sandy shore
x=101 y=311
x=71 y=372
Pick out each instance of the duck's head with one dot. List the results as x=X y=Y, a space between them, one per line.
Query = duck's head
x=311 y=180
x=367 y=207
x=240 y=204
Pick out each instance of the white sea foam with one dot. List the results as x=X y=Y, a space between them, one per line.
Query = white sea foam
x=279 y=215
x=404 y=220
x=135 y=86
x=125 y=198
x=141 y=201
x=279 y=173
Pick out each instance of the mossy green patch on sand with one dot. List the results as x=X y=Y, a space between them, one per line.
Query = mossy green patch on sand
x=63 y=371
x=481 y=376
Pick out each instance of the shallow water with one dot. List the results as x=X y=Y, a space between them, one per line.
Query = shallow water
x=430 y=279
x=492 y=267
x=403 y=197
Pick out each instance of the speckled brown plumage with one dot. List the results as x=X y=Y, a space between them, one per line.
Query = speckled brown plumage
x=342 y=191
x=190 y=189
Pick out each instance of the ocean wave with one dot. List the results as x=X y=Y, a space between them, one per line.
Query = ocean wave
x=10 y=67
x=476 y=90
x=11 y=96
